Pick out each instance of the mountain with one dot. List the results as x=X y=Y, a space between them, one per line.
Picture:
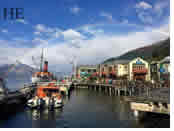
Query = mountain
x=156 y=51
x=17 y=76
x=17 y=70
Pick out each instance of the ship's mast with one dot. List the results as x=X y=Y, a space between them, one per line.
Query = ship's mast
x=74 y=66
x=41 y=61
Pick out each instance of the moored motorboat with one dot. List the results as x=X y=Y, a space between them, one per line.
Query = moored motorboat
x=46 y=97
x=36 y=102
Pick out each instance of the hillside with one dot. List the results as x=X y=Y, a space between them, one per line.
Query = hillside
x=18 y=70
x=17 y=76
x=156 y=51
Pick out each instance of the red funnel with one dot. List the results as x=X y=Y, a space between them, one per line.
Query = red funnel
x=46 y=66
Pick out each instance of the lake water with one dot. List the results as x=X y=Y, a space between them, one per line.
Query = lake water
x=84 y=108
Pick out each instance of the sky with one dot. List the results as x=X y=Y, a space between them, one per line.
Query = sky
x=88 y=31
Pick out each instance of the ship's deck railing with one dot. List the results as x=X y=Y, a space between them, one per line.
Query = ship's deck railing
x=56 y=83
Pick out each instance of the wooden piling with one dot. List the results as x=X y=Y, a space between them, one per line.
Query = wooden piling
x=110 y=92
x=118 y=92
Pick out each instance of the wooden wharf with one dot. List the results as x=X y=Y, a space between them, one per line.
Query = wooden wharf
x=142 y=96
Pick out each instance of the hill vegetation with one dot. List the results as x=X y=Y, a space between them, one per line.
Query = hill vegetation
x=156 y=51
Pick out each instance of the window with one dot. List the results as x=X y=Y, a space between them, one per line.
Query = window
x=82 y=70
x=115 y=67
x=110 y=69
x=89 y=70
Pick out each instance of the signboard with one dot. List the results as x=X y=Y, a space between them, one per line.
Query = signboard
x=161 y=70
x=139 y=62
x=83 y=73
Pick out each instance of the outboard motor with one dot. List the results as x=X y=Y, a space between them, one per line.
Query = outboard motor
x=51 y=103
x=30 y=103
x=40 y=103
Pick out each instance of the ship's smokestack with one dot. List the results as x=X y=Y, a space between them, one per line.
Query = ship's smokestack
x=46 y=66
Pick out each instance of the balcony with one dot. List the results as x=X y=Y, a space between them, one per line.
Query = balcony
x=95 y=74
x=140 y=71
x=113 y=72
x=104 y=73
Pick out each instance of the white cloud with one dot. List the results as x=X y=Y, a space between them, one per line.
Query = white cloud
x=160 y=6
x=143 y=5
x=88 y=51
x=22 y=21
x=72 y=34
x=37 y=33
x=98 y=49
x=143 y=13
x=149 y=14
x=125 y=21
x=4 y=30
x=91 y=30
x=9 y=54
x=75 y=10
x=107 y=15
x=47 y=32
x=39 y=41
x=42 y=28
x=164 y=30
x=145 y=17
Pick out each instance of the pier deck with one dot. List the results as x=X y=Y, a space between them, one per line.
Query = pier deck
x=145 y=98
x=157 y=102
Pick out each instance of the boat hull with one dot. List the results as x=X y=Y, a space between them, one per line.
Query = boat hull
x=45 y=104
x=35 y=79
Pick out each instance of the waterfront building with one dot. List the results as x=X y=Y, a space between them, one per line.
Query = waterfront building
x=83 y=71
x=136 y=69
x=164 y=68
x=139 y=69
x=115 y=70
x=154 y=70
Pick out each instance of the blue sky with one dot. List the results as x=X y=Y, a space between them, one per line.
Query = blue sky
x=91 y=30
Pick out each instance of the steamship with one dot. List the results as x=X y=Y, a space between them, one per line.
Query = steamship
x=43 y=75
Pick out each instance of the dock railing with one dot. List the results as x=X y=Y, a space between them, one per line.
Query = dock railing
x=143 y=89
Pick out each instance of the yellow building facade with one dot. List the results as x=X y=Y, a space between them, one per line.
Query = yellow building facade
x=139 y=69
x=136 y=69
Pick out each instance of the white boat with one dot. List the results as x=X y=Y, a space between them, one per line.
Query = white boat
x=35 y=79
x=32 y=103
x=58 y=103
x=47 y=102
x=36 y=103
x=53 y=102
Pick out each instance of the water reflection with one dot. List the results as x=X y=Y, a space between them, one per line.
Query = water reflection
x=84 y=108
x=44 y=118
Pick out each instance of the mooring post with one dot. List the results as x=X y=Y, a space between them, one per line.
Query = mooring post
x=110 y=91
x=118 y=92
x=125 y=91
x=130 y=92
x=136 y=113
x=147 y=91
x=115 y=91
x=99 y=88
x=160 y=106
x=105 y=89
x=139 y=93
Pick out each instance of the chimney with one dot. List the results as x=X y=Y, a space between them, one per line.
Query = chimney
x=46 y=66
